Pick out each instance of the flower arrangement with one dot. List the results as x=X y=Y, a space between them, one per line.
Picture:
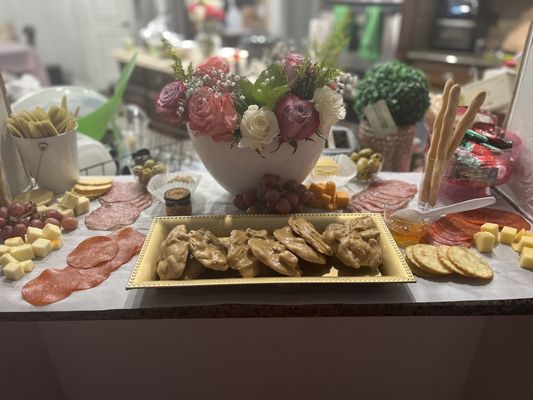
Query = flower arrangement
x=200 y=11
x=292 y=100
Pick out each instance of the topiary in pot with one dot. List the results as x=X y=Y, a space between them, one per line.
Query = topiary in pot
x=404 y=89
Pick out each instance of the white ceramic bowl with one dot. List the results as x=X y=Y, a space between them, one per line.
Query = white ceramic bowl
x=347 y=172
x=158 y=185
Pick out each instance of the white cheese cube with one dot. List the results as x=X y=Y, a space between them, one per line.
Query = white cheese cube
x=528 y=234
x=6 y=259
x=42 y=210
x=27 y=265
x=13 y=271
x=491 y=228
x=32 y=234
x=23 y=253
x=14 y=241
x=519 y=236
x=484 y=242
x=83 y=206
x=527 y=241
x=65 y=212
x=41 y=247
x=51 y=232
x=69 y=200
x=4 y=249
x=526 y=258
x=507 y=235
x=56 y=244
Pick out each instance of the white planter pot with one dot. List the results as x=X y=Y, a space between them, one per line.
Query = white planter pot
x=238 y=170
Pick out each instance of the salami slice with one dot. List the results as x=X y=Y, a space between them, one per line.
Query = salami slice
x=123 y=192
x=91 y=277
x=93 y=251
x=500 y=217
x=50 y=286
x=112 y=216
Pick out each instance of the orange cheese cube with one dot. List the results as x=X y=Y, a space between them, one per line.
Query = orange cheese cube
x=331 y=207
x=331 y=188
x=322 y=186
x=315 y=203
x=315 y=189
x=324 y=200
x=343 y=199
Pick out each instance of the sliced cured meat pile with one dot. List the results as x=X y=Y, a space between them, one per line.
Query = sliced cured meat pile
x=90 y=264
x=120 y=206
x=458 y=229
x=383 y=195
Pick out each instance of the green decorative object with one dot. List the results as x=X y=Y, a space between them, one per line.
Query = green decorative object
x=96 y=123
x=404 y=89
x=370 y=44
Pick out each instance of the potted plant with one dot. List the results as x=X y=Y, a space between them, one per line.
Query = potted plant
x=243 y=130
x=404 y=89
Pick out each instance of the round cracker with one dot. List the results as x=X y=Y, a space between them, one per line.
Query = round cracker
x=444 y=260
x=413 y=264
x=426 y=257
x=469 y=262
x=39 y=197
x=95 y=181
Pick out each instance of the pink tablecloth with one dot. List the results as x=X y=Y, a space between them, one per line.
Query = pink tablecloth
x=16 y=57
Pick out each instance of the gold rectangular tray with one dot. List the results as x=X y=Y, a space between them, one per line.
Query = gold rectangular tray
x=393 y=270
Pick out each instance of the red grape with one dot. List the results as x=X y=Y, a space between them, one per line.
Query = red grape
x=54 y=214
x=272 y=196
x=36 y=223
x=250 y=198
x=261 y=191
x=271 y=206
x=308 y=198
x=293 y=198
x=69 y=223
x=16 y=210
x=7 y=232
x=3 y=222
x=52 y=221
x=301 y=188
x=19 y=230
x=283 y=206
x=238 y=202
x=252 y=210
x=267 y=180
x=3 y=212
x=298 y=208
x=291 y=185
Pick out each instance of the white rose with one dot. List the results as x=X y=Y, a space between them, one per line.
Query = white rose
x=259 y=127
x=330 y=107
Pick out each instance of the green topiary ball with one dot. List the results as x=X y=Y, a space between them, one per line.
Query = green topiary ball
x=404 y=89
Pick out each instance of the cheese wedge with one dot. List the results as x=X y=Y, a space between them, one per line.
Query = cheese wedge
x=507 y=235
x=13 y=271
x=41 y=247
x=23 y=253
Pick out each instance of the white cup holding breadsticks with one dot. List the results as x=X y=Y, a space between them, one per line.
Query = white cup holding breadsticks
x=445 y=139
x=48 y=144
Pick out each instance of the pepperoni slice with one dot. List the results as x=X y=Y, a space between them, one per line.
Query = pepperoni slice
x=50 y=286
x=91 y=277
x=93 y=251
x=500 y=217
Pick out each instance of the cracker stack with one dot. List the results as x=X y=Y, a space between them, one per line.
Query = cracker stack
x=92 y=187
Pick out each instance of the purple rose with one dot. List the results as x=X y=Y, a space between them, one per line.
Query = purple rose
x=170 y=102
x=291 y=63
x=297 y=118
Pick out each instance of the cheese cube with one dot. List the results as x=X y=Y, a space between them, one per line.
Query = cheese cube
x=528 y=234
x=32 y=234
x=519 y=235
x=491 y=228
x=23 y=253
x=56 y=244
x=41 y=247
x=42 y=210
x=484 y=242
x=83 y=206
x=4 y=249
x=51 y=232
x=527 y=241
x=65 y=212
x=27 y=265
x=526 y=258
x=14 y=241
x=6 y=259
x=13 y=271
x=69 y=200
x=507 y=235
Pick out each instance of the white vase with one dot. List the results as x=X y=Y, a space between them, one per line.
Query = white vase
x=238 y=170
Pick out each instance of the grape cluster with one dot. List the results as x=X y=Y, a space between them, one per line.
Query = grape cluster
x=273 y=196
x=17 y=217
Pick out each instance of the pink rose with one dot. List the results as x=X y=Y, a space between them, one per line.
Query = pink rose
x=213 y=115
x=291 y=63
x=297 y=118
x=169 y=101
x=213 y=12
x=218 y=63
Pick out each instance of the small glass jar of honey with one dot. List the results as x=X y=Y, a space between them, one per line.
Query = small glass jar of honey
x=178 y=202
x=405 y=233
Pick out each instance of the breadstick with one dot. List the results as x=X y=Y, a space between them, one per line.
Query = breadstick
x=445 y=138
x=465 y=122
x=432 y=152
